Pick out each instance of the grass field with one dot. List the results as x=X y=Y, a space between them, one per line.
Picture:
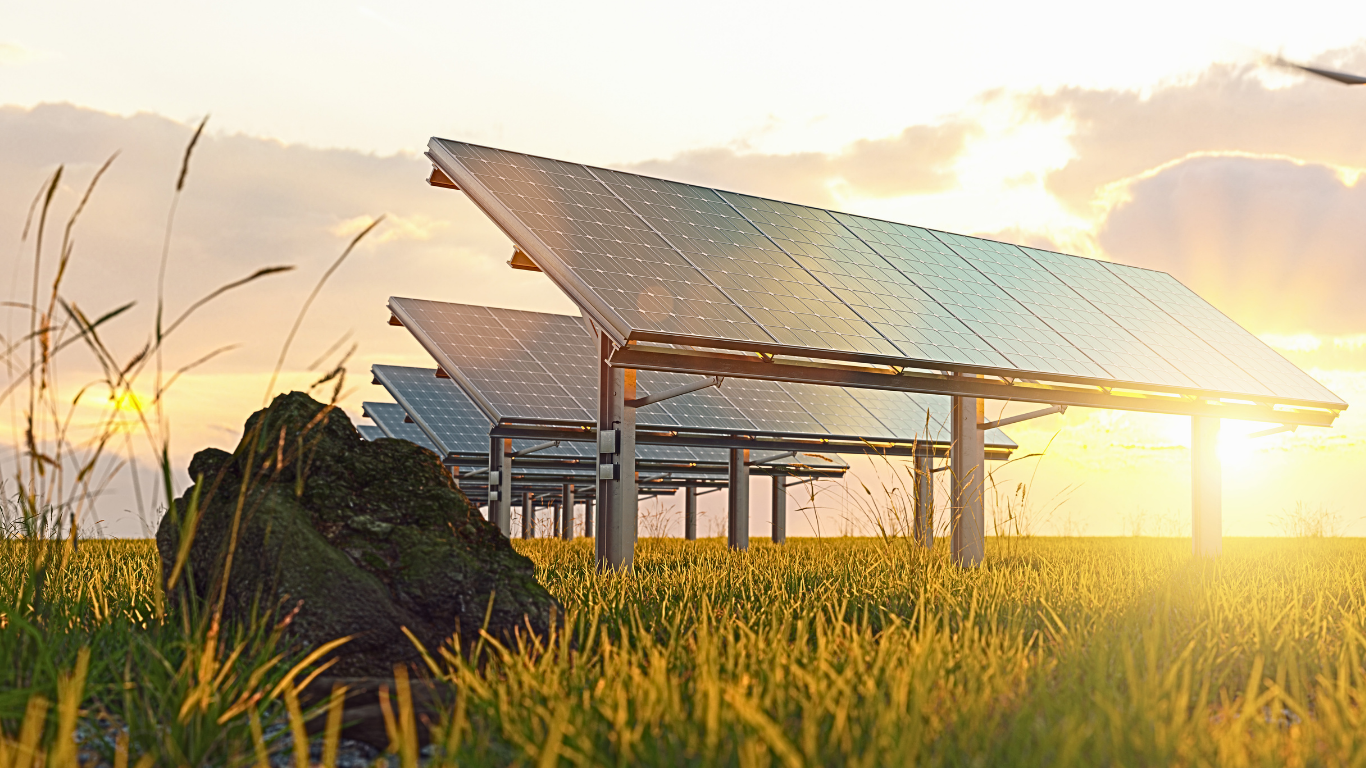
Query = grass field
x=822 y=652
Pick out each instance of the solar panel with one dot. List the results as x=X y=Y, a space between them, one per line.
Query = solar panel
x=661 y=261
x=513 y=384
x=370 y=431
x=440 y=407
x=1145 y=321
x=437 y=406
x=565 y=355
x=703 y=409
x=768 y=286
x=1277 y=374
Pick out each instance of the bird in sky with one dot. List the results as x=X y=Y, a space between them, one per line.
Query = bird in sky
x=1341 y=77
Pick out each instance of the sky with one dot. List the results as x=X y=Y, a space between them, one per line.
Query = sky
x=1153 y=138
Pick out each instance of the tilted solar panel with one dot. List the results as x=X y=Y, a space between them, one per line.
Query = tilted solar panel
x=445 y=413
x=370 y=431
x=440 y=407
x=661 y=261
x=390 y=418
x=739 y=405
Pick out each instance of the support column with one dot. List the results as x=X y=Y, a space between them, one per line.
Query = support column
x=968 y=458
x=588 y=518
x=690 y=513
x=923 y=489
x=500 y=484
x=528 y=515
x=617 y=499
x=779 y=509
x=555 y=519
x=1207 y=528
x=737 y=489
x=567 y=512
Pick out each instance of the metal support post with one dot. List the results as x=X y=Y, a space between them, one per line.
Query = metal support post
x=779 y=509
x=617 y=499
x=690 y=513
x=500 y=484
x=588 y=517
x=567 y=512
x=1207 y=530
x=528 y=515
x=555 y=518
x=924 y=496
x=737 y=489
x=968 y=459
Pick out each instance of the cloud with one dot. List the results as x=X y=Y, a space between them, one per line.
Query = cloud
x=394 y=227
x=1227 y=108
x=1278 y=245
x=919 y=160
x=248 y=202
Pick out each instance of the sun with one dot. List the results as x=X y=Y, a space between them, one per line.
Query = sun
x=1240 y=452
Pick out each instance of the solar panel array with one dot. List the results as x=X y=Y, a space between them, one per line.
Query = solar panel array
x=444 y=420
x=370 y=431
x=449 y=332
x=389 y=418
x=438 y=407
x=677 y=262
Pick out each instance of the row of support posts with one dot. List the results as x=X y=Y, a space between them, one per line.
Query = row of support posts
x=500 y=498
x=615 y=527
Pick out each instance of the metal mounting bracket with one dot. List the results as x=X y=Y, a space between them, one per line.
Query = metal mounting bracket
x=641 y=402
x=536 y=448
x=1049 y=411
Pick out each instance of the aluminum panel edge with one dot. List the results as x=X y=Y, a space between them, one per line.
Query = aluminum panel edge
x=544 y=257
x=408 y=409
x=447 y=365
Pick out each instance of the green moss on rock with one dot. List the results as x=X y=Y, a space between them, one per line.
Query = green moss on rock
x=364 y=538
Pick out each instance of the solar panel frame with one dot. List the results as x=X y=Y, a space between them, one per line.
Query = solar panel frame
x=738 y=406
x=389 y=419
x=1034 y=347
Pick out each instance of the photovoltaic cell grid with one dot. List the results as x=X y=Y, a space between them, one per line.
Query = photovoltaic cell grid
x=611 y=248
x=772 y=289
x=442 y=411
x=678 y=260
x=456 y=425
x=1156 y=329
x=742 y=405
x=389 y=419
x=370 y=431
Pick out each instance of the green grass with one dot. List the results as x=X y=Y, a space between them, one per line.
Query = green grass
x=872 y=652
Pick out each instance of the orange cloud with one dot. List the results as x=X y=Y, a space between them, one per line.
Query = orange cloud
x=1278 y=245
x=1227 y=108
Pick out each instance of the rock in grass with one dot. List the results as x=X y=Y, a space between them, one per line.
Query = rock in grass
x=353 y=537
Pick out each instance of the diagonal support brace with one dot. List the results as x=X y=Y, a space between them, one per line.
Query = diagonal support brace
x=641 y=402
x=771 y=459
x=537 y=448
x=1049 y=411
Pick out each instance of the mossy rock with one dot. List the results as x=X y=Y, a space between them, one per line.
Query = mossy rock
x=354 y=538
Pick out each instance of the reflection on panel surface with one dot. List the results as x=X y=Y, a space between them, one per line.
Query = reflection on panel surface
x=441 y=411
x=1150 y=325
x=674 y=260
x=1261 y=362
x=554 y=353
